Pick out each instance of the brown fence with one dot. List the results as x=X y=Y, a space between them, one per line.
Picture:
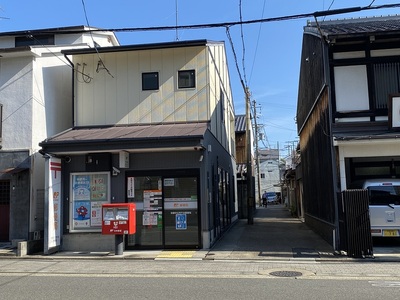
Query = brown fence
x=354 y=224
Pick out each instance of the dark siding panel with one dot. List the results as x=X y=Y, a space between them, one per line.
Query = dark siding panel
x=311 y=76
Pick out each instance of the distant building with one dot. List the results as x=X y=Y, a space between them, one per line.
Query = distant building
x=269 y=170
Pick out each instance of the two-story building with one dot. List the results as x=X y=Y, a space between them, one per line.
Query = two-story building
x=153 y=124
x=348 y=111
x=35 y=102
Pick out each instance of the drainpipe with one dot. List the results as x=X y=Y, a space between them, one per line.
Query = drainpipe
x=73 y=90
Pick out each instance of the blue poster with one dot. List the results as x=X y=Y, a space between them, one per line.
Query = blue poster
x=180 y=222
x=81 y=187
x=81 y=214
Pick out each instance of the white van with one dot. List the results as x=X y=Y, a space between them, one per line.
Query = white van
x=384 y=206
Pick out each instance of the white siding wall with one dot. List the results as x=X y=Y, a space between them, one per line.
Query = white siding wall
x=16 y=96
x=120 y=99
x=52 y=98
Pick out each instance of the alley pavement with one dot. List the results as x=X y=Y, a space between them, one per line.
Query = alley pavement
x=274 y=235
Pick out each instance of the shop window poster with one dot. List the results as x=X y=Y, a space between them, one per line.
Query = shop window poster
x=81 y=214
x=89 y=192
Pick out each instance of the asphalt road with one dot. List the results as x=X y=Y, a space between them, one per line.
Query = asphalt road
x=125 y=286
x=99 y=279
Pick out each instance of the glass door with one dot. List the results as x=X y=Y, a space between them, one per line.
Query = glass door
x=146 y=193
x=181 y=219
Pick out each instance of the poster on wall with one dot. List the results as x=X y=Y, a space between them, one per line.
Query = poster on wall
x=89 y=191
x=95 y=213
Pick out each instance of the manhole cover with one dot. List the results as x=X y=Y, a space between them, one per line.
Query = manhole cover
x=286 y=273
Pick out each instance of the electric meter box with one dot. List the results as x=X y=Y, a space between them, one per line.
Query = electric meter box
x=118 y=218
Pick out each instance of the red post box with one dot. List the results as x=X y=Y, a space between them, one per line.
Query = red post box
x=118 y=218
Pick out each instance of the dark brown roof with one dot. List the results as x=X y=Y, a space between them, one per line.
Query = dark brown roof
x=136 y=136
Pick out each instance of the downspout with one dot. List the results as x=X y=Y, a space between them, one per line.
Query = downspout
x=73 y=90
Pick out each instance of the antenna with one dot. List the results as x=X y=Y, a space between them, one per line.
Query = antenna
x=176 y=20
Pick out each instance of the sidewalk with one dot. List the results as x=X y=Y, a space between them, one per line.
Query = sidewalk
x=274 y=235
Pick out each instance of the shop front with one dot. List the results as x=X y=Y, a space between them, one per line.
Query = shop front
x=168 y=214
x=181 y=187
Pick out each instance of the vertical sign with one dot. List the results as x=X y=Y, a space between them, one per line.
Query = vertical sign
x=130 y=184
x=53 y=206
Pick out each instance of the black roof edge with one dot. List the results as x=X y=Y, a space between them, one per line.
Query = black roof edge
x=162 y=45
x=68 y=29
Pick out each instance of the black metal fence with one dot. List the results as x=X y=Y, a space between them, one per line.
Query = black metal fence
x=354 y=224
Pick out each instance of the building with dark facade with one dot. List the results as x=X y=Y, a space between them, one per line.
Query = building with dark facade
x=348 y=112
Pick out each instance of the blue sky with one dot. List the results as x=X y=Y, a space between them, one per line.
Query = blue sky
x=271 y=50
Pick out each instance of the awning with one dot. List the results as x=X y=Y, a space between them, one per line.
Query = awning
x=129 y=137
x=13 y=170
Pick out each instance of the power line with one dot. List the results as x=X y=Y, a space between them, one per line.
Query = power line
x=264 y=20
x=100 y=64
x=258 y=39
x=243 y=44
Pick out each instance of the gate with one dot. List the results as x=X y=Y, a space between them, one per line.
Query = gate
x=354 y=224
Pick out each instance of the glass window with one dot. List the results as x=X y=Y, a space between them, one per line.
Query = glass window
x=186 y=79
x=31 y=40
x=150 y=81
x=88 y=192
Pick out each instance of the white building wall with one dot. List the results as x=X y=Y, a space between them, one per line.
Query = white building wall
x=366 y=148
x=16 y=78
x=270 y=169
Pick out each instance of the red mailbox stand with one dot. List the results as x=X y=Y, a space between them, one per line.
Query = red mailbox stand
x=118 y=219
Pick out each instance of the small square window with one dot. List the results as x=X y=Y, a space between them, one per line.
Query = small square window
x=186 y=79
x=150 y=81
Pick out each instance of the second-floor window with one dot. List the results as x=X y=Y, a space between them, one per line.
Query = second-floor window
x=186 y=79
x=387 y=82
x=150 y=81
x=32 y=40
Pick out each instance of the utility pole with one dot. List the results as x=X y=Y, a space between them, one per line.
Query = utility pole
x=250 y=197
x=256 y=137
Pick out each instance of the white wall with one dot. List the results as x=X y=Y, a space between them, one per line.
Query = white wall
x=16 y=77
x=365 y=148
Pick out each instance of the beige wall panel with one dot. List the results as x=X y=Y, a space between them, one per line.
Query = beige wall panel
x=111 y=89
x=134 y=87
x=122 y=80
x=120 y=100
x=86 y=98
x=168 y=84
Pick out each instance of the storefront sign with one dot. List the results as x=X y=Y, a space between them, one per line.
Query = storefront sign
x=54 y=203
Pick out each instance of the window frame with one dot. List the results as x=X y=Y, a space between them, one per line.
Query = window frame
x=151 y=88
x=190 y=82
